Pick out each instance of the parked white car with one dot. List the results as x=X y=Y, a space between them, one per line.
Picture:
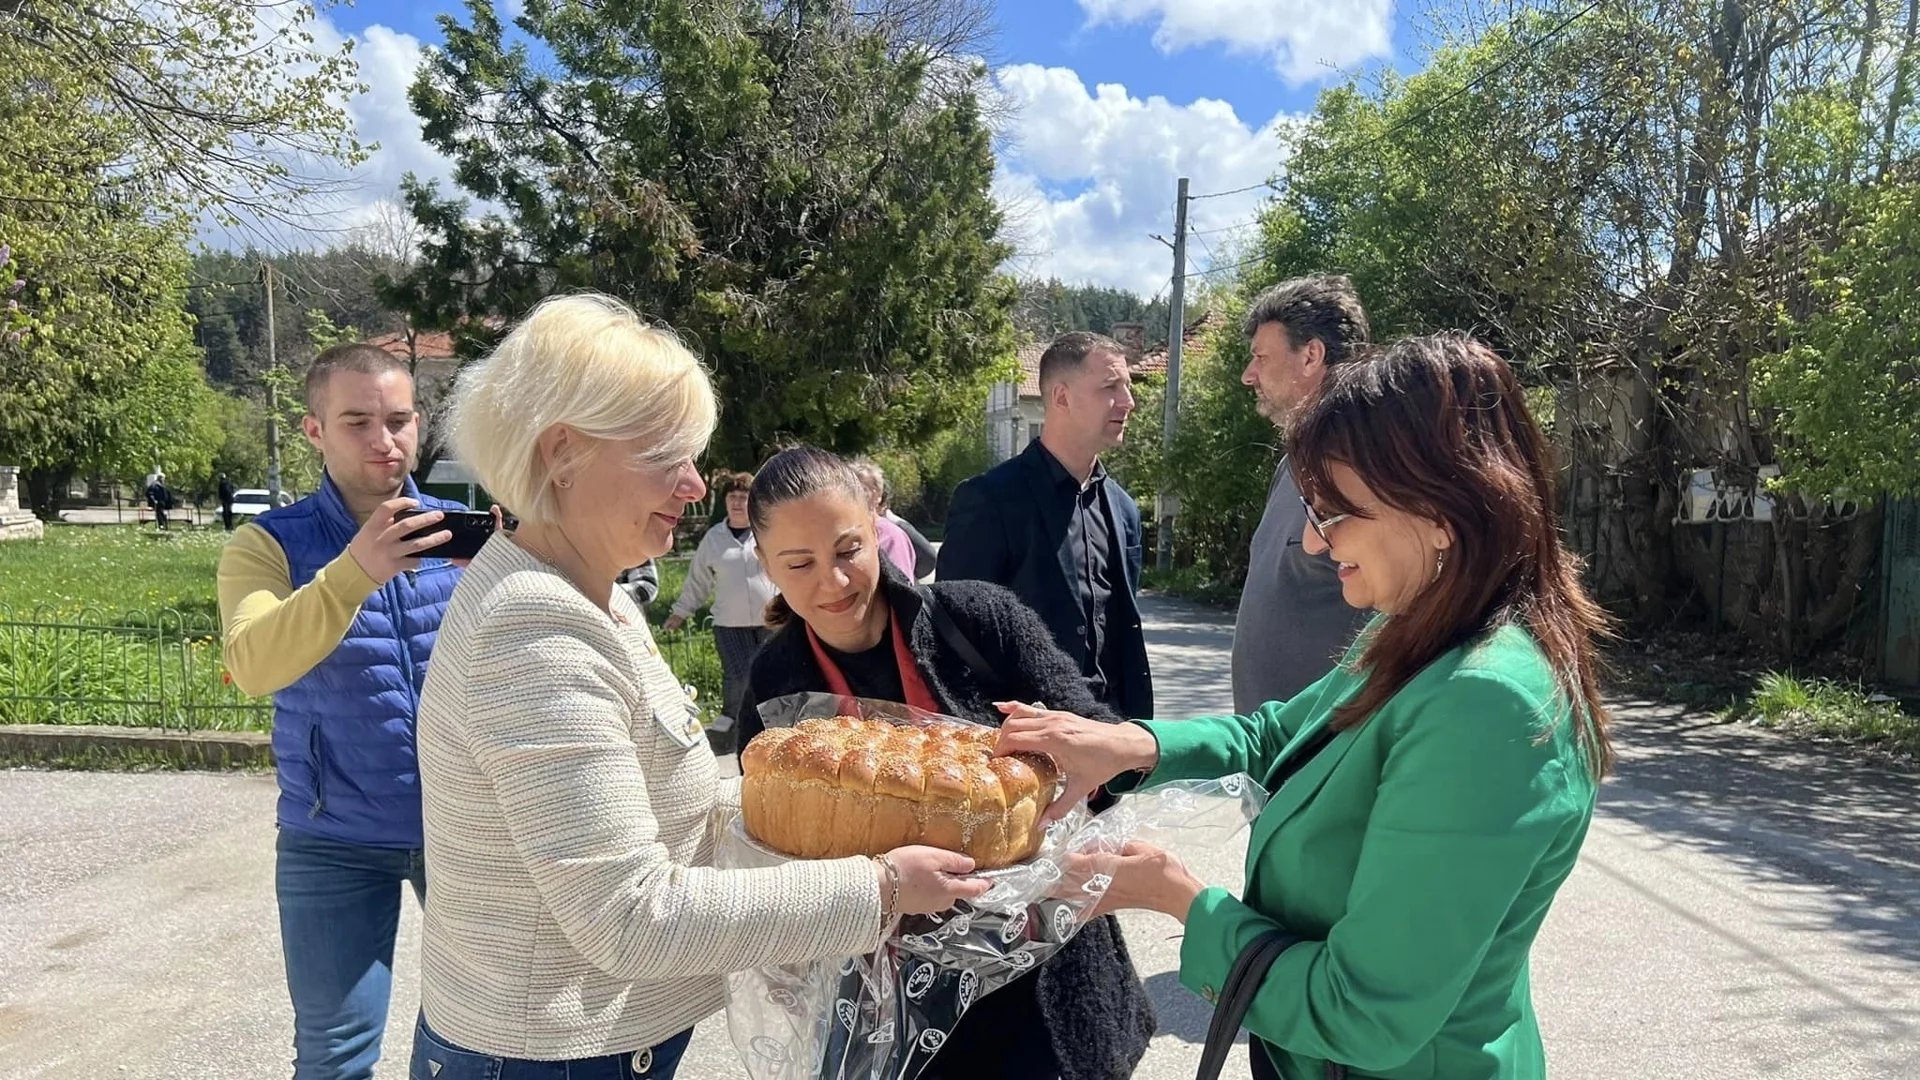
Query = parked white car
x=251 y=502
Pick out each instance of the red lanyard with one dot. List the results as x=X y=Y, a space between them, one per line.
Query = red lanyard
x=911 y=683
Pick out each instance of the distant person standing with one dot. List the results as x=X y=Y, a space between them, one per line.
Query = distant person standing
x=726 y=570
x=894 y=542
x=1051 y=525
x=226 y=502
x=1293 y=624
x=159 y=498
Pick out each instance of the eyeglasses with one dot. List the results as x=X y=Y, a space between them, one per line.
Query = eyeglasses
x=1320 y=524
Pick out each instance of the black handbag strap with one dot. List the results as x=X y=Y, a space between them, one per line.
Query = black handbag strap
x=1236 y=997
x=950 y=633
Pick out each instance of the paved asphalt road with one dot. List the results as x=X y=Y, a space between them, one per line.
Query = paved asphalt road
x=1744 y=909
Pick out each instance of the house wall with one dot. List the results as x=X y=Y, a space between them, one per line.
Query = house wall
x=1012 y=421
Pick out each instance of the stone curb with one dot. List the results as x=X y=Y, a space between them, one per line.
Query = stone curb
x=187 y=749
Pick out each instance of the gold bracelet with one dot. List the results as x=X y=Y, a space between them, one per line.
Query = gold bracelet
x=890 y=904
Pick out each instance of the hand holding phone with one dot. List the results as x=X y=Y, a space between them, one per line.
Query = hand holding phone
x=389 y=543
x=465 y=532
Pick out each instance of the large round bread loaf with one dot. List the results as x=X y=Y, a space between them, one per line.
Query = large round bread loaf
x=826 y=789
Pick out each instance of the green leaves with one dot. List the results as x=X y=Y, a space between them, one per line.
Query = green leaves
x=790 y=193
x=1846 y=389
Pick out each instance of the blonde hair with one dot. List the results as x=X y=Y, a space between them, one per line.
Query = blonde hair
x=587 y=361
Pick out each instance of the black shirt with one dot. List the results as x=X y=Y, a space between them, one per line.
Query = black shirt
x=741 y=532
x=1090 y=540
x=871 y=673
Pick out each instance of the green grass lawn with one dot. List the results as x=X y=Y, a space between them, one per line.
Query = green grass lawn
x=88 y=633
x=113 y=569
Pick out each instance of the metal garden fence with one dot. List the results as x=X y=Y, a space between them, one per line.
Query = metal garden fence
x=156 y=668
x=163 y=669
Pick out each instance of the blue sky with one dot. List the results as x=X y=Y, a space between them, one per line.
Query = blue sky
x=1111 y=101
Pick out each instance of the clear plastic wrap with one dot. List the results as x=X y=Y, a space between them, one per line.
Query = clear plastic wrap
x=884 y=1015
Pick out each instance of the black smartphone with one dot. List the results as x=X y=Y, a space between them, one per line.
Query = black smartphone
x=470 y=529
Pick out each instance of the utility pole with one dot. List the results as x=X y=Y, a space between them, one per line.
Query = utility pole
x=273 y=395
x=1169 y=502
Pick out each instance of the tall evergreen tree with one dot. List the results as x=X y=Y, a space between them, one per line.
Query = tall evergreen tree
x=801 y=191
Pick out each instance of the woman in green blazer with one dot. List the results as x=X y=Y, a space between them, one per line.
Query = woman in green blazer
x=1430 y=794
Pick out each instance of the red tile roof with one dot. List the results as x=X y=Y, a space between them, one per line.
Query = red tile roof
x=1155 y=362
x=427 y=344
x=1030 y=369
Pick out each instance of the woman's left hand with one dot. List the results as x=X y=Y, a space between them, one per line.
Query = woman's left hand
x=1143 y=876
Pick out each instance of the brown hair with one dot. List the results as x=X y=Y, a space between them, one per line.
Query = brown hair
x=726 y=482
x=1323 y=307
x=1069 y=352
x=1438 y=426
x=799 y=472
x=354 y=356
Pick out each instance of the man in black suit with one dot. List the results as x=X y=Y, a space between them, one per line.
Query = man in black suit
x=1053 y=527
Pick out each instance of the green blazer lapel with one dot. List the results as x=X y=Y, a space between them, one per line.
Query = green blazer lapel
x=1299 y=788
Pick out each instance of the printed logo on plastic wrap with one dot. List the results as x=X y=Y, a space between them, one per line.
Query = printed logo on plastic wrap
x=1016 y=926
x=920 y=979
x=1176 y=800
x=770 y=1049
x=891 y=1021
x=921 y=943
x=1065 y=921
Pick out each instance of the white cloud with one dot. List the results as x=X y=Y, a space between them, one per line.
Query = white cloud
x=1086 y=178
x=349 y=198
x=1085 y=175
x=1304 y=39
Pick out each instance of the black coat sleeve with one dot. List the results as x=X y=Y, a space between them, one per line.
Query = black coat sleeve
x=1020 y=647
x=975 y=547
x=1054 y=677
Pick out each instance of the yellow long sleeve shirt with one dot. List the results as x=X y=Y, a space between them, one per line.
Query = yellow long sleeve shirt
x=272 y=632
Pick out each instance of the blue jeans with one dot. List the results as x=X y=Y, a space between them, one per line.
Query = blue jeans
x=339 y=913
x=434 y=1058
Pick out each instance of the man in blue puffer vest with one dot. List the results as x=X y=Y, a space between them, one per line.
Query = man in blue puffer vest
x=326 y=605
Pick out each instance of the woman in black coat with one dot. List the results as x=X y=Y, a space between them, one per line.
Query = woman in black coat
x=848 y=623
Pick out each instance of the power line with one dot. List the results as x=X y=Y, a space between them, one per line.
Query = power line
x=1223 y=269
x=1157 y=292
x=1203 y=243
x=1235 y=191
x=1224 y=228
x=1471 y=85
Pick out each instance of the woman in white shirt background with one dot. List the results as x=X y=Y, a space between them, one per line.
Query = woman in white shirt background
x=577 y=929
x=726 y=571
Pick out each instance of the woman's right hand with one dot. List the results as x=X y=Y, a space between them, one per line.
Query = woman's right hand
x=931 y=879
x=1088 y=752
x=674 y=622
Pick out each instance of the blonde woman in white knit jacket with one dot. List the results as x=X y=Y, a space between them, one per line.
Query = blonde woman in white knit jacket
x=726 y=569
x=574 y=927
